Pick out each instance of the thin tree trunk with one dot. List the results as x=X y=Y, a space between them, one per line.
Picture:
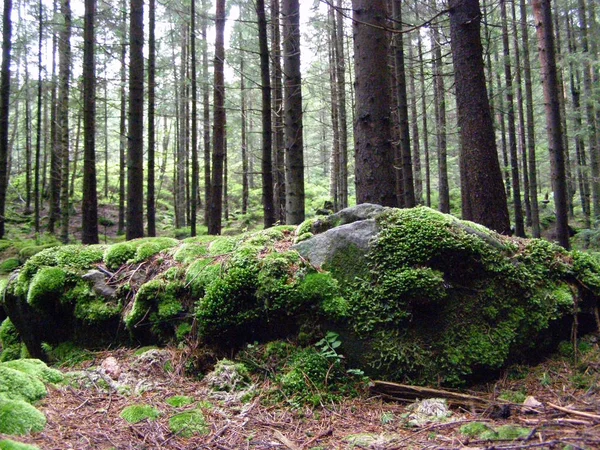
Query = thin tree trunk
x=75 y=154
x=55 y=159
x=512 y=133
x=150 y=199
x=28 y=130
x=38 y=142
x=335 y=151
x=135 y=148
x=89 y=206
x=543 y=16
x=206 y=114
x=533 y=184
x=425 y=121
x=63 y=114
x=414 y=119
x=4 y=107
x=195 y=168
x=244 y=131
x=123 y=120
x=342 y=113
x=267 y=122
x=440 y=115
x=277 y=116
x=218 y=156
x=294 y=179
x=180 y=189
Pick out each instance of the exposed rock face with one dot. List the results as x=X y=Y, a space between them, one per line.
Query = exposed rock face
x=98 y=280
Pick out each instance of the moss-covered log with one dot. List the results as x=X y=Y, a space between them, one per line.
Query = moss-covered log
x=416 y=296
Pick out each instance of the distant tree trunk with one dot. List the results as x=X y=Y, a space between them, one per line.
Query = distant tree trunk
x=512 y=133
x=38 y=141
x=180 y=185
x=408 y=190
x=374 y=155
x=277 y=116
x=195 y=168
x=218 y=156
x=543 y=17
x=206 y=114
x=122 y=120
x=414 y=119
x=135 y=148
x=294 y=146
x=4 y=107
x=532 y=166
x=342 y=113
x=425 y=121
x=28 y=131
x=63 y=113
x=481 y=178
x=150 y=199
x=75 y=154
x=439 y=92
x=244 y=135
x=55 y=156
x=267 y=123
x=89 y=206
x=334 y=183
x=501 y=115
x=588 y=89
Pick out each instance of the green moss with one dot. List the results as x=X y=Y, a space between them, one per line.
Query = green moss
x=150 y=247
x=179 y=401
x=228 y=376
x=118 y=254
x=305 y=227
x=78 y=258
x=200 y=274
x=320 y=288
x=347 y=264
x=47 y=285
x=512 y=432
x=474 y=429
x=223 y=245
x=183 y=330
x=36 y=368
x=136 y=413
x=8 y=265
x=92 y=309
x=189 y=423
x=27 y=252
x=10 y=342
x=17 y=385
x=7 y=444
x=18 y=417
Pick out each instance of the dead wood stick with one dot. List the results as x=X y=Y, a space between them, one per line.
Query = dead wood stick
x=575 y=412
x=285 y=441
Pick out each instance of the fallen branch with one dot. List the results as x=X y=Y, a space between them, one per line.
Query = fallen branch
x=285 y=441
x=575 y=412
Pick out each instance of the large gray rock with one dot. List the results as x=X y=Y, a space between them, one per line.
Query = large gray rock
x=352 y=214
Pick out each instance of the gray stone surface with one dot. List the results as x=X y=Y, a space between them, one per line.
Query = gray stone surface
x=99 y=283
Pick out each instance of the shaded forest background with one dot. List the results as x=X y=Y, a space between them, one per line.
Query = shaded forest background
x=151 y=118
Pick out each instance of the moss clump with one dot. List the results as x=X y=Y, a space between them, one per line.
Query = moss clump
x=136 y=413
x=179 y=401
x=10 y=342
x=228 y=376
x=27 y=252
x=475 y=429
x=18 y=417
x=47 y=286
x=8 y=265
x=74 y=257
x=117 y=254
x=17 y=385
x=189 y=423
x=36 y=368
x=151 y=246
x=7 y=444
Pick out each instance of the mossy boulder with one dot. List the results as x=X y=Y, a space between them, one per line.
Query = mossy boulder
x=17 y=417
x=415 y=295
x=18 y=385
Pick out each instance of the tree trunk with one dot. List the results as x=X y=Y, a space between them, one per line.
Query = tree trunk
x=533 y=184
x=481 y=177
x=512 y=133
x=334 y=183
x=440 y=120
x=218 y=156
x=414 y=119
x=294 y=177
x=543 y=25
x=63 y=113
x=55 y=157
x=267 y=124
x=150 y=199
x=135 y=148
x=425 y=121
x=205 y=114
x=408 y=190
x=374 y=155
x=277 y=116
x=195 y=168
x=38 y=142
x=244 y=132
x=4 y=107
x=89 y=206
x=122 y=120
x=180 y=185
x=342 y=113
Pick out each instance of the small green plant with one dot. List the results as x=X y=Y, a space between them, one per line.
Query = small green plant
x=513 y=396
x=137 y=413
x=387 y=418
x=328 y=345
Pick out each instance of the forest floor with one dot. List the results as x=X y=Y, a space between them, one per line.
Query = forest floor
x=87 y=415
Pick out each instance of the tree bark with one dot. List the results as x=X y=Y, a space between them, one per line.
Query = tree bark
x=150 y=199
x=63 y=114
x=439 y=92
x=543 y=25
x=205 y=114
x=195 y=167
x=267 y=123
x=374 y=155
x=218 y=155
x=482 y=182
x=135 y=149
x=294 y=146
x=122 y=120
x=89 y=207
x=342 y=113
x=4 y=107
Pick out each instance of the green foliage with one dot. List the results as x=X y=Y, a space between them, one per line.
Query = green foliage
x=67 y=354
x=136 y=251
x=27 y=252
x=7 y=444
x=46 y=286
x=474 y=429
x=117 y=254
x=17 y=417
x=36 y=368
x=189 y=423
x=136 y=413
x=151 y=246
x=10 y=342
x=513 y=396
x=17 y=385
x=8 y=265
x=200 y=274
x=192 y=248
x=179 y=401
